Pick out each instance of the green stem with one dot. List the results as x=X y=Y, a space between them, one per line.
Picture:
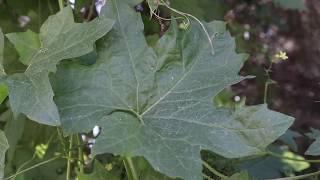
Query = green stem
x=268 y=82
x=299 y=177
x=266 y=86
x=50 y=7
x=69 y=159
x=186 y=15
x=90 y=11
x=80 y=154
x=207 y=177
x=61 y=138
x=131 y=171
x=32 y=167
x=292 y=159
x=60 y=4
x=215 y=172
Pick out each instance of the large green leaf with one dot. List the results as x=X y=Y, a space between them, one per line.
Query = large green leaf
x=30 y=93
x=158 y=103
x=3 y=148
x=145 y=171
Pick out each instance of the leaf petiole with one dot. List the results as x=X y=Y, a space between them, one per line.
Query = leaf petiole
x=131 y=171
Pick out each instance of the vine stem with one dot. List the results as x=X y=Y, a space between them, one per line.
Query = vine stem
x=91 y=9
x=207 y=177
x=266 y=86
x=292 y=159
x=32 y=167
x=80 y=154
x=186 y=15
x=299 y=177
x=215 y=172
x=131 y=171
x=268 y=82
x=69 y=159
x=60 y=4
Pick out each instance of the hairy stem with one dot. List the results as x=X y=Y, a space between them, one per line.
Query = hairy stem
x=131 y=171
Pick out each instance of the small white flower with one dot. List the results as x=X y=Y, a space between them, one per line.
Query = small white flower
x=96 y=131
x=237 y=98
x=99 y=5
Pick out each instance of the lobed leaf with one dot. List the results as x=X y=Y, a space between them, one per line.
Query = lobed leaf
x=158 y=102
x=30 y=92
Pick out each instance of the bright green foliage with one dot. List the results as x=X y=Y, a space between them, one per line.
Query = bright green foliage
x=314 y=148
x=30 y=93
x=297 y=166
x=3 y=92
x=158 y=102
x=26 y=43
x=3 y=148
x=3 y=87
x=291 y=4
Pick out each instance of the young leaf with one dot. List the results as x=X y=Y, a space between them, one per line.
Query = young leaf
x=158 y=103
x=27 y=44
x=31 y=93
x=3 y=148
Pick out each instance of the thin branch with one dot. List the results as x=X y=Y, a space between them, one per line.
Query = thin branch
x=215 y=172
x=32 y=167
